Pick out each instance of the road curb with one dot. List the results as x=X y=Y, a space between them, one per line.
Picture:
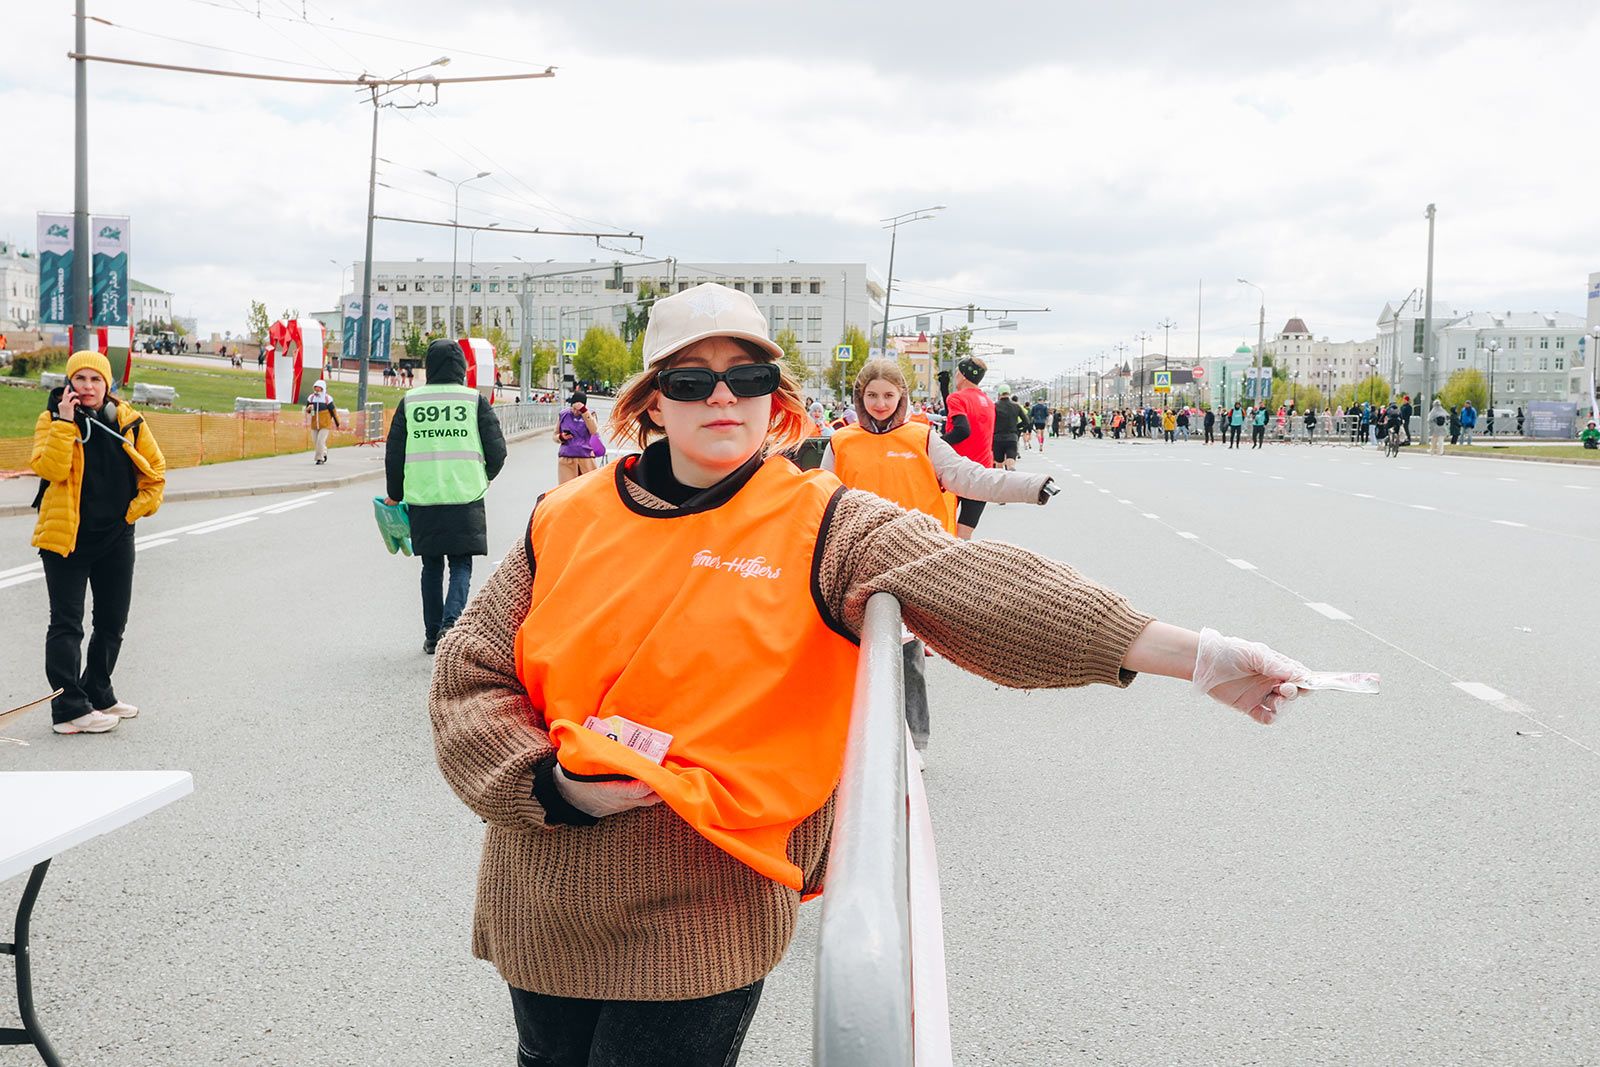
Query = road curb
x=311 y=486
x=1490 y=453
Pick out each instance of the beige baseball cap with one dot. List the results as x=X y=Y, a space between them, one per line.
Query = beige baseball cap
x=708 y=310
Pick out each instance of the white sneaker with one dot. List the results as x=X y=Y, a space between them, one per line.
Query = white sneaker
x=96 y=722
x=121 y=710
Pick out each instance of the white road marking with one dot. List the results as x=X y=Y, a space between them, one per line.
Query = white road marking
x=140 y=546
x=1508 y=522
x=1327 y=609
x=240 y=521
x=1449 y=474
x=1575 y=487
x=1424 y=507
x=18 y=579
x=1275 y=477
x=236 y=514
x=1103 y=490
x=1363 y=496
x=1149 y=515
x=1314 y=485
x=1243 y=564
x=1479 y=690
x=291 y=507
x=1404 y=467
x=25 y=568
x=1503 y=478
x=1186 y=535
x=1120 y=501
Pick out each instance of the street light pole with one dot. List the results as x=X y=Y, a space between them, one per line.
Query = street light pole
x=364 y=331
x=893 y=227
x=82 y=312
x=1427 y=333
x=455 y=240
x=1261 y=340
x=1166 y=356
x=1141 y=337
x=472 y=261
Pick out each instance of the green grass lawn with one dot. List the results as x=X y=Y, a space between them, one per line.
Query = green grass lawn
x=1541 y=451
x=199 y=389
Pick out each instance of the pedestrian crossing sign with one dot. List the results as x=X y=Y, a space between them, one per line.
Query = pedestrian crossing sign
x=569 y=347
x=1163 y=381
x=842 y=353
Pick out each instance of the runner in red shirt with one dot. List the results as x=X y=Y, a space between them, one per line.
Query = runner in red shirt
x=969 y=429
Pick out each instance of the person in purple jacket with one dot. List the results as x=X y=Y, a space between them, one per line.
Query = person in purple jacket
x=575 y=430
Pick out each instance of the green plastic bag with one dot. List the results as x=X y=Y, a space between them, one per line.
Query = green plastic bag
x=394 y=525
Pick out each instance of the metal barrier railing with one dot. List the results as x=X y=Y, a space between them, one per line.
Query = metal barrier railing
x=880 y=995
x=516 y=419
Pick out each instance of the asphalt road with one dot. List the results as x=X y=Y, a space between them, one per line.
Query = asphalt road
x=1129 y=877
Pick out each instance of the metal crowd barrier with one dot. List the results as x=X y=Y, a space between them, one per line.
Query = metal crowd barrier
x=518 y=419
x=880 y=991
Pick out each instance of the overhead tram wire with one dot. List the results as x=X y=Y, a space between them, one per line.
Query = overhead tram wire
x=367 y=33
x=214 y=47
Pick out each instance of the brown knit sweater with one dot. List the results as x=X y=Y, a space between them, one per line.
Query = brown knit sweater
x=639 y=906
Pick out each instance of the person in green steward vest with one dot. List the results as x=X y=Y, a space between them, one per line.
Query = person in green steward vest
x=443 y=449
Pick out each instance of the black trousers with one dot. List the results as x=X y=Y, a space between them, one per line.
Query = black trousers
x=569 y=1032
x=106 y=568
x=1258 y=436
x=1233 y=436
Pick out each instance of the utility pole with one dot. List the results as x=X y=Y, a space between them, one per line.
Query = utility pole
x=82 y=313
x=1166 y=353
x=1427 y=334
x=364 y=331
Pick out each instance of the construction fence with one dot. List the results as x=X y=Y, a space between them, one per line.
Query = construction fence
x=192 y=439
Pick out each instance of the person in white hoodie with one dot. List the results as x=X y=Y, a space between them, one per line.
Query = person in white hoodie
x=903 y=460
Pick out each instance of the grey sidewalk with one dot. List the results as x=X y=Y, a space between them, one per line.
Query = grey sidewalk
x=290 y=473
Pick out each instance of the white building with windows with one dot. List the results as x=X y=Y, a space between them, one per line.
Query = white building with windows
x=815 y=300
x=148 y=304
x=1322 y=363
x=19 y=288
x=1535 y=354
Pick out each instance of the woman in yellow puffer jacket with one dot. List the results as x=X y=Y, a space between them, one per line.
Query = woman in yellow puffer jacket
x=100 y=472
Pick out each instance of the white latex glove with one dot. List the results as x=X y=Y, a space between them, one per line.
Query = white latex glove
x=1245 y=675
x=600 y=799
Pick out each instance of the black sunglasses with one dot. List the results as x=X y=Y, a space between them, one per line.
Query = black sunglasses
x=698 y=383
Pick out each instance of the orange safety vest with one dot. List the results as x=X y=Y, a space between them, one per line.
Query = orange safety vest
x=895 y=466
x=918 y=416
x=704 y=625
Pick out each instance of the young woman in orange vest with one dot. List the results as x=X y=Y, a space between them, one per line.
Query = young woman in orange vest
x=904 y=461
x=641 y=875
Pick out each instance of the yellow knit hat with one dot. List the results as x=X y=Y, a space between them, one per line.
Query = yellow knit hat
x=87 y=360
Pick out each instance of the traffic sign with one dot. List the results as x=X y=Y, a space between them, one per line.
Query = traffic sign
x=569 y=347
x=1163 y=381
x=842 y=353
x=1199 y=373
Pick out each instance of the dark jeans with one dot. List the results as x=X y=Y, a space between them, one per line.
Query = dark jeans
x=567 y=1032
x=916 y=684
x=440 y=609
x=105 y=568
x=1208 y=435
x=1258 y=436
x=1233 y=436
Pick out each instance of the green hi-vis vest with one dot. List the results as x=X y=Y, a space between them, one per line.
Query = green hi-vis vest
x=444 y=454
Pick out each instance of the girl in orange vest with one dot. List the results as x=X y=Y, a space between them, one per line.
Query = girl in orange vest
x=904 y=461
x=647 y=703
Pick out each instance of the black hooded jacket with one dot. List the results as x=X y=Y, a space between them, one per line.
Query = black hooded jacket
x=445 y=529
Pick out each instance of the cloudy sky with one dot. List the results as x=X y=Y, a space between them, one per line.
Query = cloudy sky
x=1098 y=159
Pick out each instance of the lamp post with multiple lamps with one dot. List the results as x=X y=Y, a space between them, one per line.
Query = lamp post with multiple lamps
x=455 y=223
x=1492 y=356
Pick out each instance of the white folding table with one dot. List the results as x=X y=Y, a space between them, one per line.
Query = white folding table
x=44 y=813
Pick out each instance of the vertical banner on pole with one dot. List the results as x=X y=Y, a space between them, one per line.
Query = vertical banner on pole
x=382 y=327
x=55 y=269
x=109 y=287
